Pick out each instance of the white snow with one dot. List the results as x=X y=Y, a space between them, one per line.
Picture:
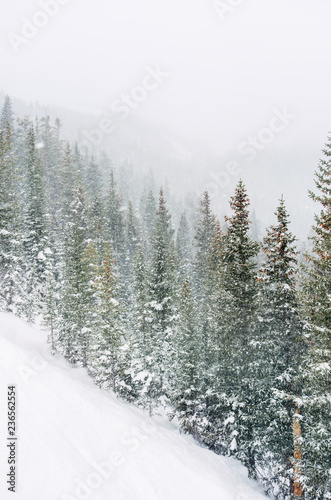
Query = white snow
x=41 y=256
x=78 y=442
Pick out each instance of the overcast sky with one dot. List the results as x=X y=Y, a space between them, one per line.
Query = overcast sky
x=227 y=71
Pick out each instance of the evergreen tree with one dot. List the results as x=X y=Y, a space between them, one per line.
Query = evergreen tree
x=148 y=211
x=69 y=181
x=132 y=233
x=35 y=223
x=204 y=236
x=50 y=151
x=107 y=354
x=280 y=345
x=317 y=372
x=6 y=119
x=96 y=214
x=205 y=233
x=77 y=295
x=239 y=283
x=142 y=360
x=162 y=295
x=11 y=251
x=186 y=379
x=184 y=246
x=51 y=310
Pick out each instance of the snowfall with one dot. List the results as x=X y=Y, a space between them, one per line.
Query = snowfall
x=77 y=442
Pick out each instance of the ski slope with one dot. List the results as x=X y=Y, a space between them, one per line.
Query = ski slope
x=78 y=442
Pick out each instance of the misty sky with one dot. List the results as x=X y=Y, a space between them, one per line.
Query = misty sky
x=226 y=72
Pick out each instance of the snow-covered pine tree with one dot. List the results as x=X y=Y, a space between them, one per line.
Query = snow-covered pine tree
x=69 y=179
x=205 y=233
x=115 y=227
x=204 y=236
x=186 y=371
x=50 y=151
x=184 y=247
x=133 y=237
x=96 y=215
x=280 y=347
x=317 y=368
x=142 y=338
x=35 y=229
x=6 y=119
x=76 y=294
x=51 y=303
x=132 y=244
x=219 y=370
x=115 y=231
x=240 y=282
x=163 y=298
x=11 y=250
x=148 y=210
x=108 y=352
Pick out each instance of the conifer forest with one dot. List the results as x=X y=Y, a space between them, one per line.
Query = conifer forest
x=225 y=328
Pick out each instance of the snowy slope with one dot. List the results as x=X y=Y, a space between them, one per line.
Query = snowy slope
x=78 y=442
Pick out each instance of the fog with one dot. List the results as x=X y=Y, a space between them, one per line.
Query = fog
x=223 y=69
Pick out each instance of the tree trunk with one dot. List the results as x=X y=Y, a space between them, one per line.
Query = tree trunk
x=298 y=491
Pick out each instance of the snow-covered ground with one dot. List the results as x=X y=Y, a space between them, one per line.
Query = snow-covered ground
x=78 y=442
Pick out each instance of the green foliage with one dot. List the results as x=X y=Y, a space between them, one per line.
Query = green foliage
x=317 y=367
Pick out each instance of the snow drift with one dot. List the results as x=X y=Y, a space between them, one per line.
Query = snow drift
x=78 y=442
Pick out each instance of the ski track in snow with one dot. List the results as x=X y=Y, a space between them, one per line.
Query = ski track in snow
x=68 y=428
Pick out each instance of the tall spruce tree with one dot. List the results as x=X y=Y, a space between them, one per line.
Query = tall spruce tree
x=6 y=119
x=148 y=208
x=240 y=282
x=184 y=247
x=11 y=251
x=35 y=222
x=317 y=368
x=186 y=378
x=280 y=345
x=163 y=295
x=108 y=362
x=76 y=293
x=142 y=361
x=204 y=236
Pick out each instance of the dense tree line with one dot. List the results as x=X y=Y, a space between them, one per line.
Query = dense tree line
x=236 y=350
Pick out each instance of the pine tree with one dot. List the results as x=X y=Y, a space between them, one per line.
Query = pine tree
x=96 y=215
x=76 y=293
x=114 y=220
x=107 y=352
x=204 y=236
x=162 y=294
x=51 y=311
x=49 y=146
x=6 y=119
x=239 y=271
x=186 y=378
x=148 y=210
x=142 y=337
x=281 y=347
x=35 y=222
x=11 y=251
x=69 y=181
x=317 y=372
x=184 y=246
x=205 y=233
